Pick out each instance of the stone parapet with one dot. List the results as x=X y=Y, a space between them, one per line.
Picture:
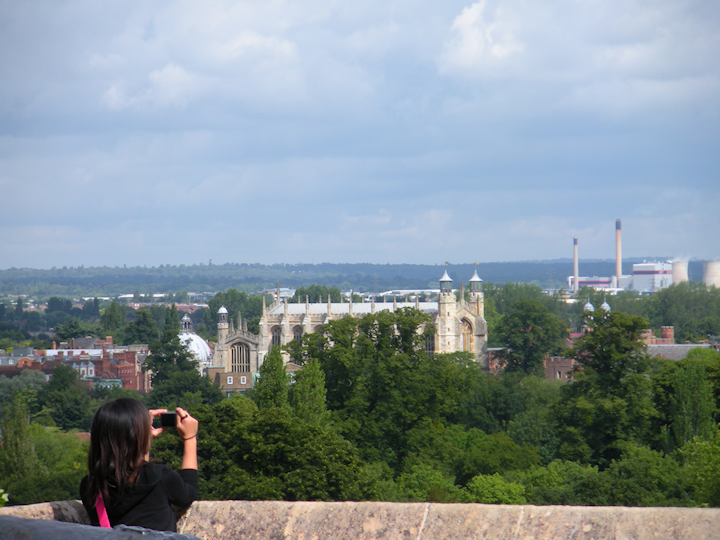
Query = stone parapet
x=251 y=520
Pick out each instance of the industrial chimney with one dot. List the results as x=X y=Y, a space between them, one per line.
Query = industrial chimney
x=576 y=273
x=618 y=249
x=711 y=273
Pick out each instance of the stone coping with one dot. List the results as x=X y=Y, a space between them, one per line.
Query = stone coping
x=262 y=520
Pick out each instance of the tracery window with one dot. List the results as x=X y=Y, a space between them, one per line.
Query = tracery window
x=430 y=344
x=276 y=337
x=240 y=358
x=297 y=334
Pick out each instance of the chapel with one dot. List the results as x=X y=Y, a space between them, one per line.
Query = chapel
x=459 y=323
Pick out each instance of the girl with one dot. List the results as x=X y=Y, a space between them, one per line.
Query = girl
x=122 y=486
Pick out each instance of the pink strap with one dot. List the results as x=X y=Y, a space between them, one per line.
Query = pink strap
x=101 y=512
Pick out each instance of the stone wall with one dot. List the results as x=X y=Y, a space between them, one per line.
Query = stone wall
x=263 y=520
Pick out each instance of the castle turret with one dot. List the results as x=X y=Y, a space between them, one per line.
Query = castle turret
x=222 y=324
x=221 y=356
x=477 y=298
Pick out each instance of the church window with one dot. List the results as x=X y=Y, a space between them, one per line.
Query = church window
x=297 y=334
x=276 y=337
x=430 y=344
x=240 y=358
x=467 y=336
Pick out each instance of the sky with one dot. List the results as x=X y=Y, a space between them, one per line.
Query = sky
x=175 y=132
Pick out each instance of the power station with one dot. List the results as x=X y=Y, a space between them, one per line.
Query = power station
x=647 y=277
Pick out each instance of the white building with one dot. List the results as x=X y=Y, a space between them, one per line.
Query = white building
x=651 y=277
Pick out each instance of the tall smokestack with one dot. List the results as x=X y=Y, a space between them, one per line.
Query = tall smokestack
x=576 y=273
x=618 y=248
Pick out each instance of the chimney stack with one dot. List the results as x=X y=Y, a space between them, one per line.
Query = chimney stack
x=618 y=249
x=576 y=273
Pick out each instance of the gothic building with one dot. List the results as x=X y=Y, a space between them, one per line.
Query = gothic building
x=460 y=326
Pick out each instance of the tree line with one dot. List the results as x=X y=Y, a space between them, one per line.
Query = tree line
x=372 y=416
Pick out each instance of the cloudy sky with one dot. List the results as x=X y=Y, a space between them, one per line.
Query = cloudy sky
x=167 y=132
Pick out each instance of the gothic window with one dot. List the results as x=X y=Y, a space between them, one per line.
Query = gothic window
x=276 y=337
x=240 y=358
x=297 y=334
x=430 y=344
x=467 y=336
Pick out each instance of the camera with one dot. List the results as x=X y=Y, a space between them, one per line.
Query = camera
x=167 y=419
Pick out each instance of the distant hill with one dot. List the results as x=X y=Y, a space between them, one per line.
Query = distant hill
x=113 y=281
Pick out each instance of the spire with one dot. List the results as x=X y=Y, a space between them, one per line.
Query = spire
x=394 y=303
x=263 y=312
x=239 y=319
x=278 y=292
x=329 y=305
x=417 y=301
x=350 y=307
x=462 y=291
x=372 y=305
x=244 y=326
x=285 y=307
x=307 y=305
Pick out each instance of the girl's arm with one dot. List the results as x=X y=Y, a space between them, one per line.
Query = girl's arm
x=187 y=428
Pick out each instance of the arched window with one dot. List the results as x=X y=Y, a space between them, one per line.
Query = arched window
x=318 y=329
x=276 y=337
x=240 y=358
x=430 y=345
x=467 y=336
x=298 y=334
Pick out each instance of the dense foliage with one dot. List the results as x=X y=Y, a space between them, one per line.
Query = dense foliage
x=372 y=416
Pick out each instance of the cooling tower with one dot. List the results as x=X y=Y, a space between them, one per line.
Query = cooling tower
x=618 y=248
x=711 y=273
x=679 y=271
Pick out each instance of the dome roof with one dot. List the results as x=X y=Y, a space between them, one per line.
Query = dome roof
x=222 y=310
x=605 y=306
x=589 y=307
x=445 y=278
x=198 y=347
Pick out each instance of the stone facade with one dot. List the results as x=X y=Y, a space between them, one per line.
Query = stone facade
x=460 y=326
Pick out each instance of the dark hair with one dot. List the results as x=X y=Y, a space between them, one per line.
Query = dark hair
x=120 y=438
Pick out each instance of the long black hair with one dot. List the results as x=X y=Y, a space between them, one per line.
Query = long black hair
x=120 y=439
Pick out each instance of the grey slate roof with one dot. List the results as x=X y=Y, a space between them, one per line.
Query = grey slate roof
x=673 y=352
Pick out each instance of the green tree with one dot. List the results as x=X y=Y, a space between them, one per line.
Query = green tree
x=692 y=308
x=683 y=396
x=19 y=307
x=113 y=317
x=610 y=400
x=71 y=328
x=494 y=489
x=530 y=332
x=308 y=394
x=236 y=302
x=142 y=330
x=168 y=356
x=67 y=400
x=272 y=387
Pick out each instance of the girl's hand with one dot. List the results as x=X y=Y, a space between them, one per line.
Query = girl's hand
x=154 y=413
x=187 y=426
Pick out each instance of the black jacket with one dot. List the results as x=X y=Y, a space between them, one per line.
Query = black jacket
x=147 y=503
